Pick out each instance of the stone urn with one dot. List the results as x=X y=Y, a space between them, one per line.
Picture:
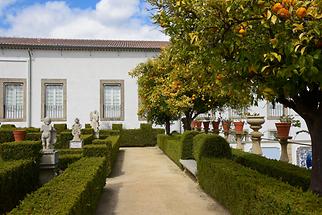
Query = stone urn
x=206 y=126
x=283 y=129
x=256 y=124
x=19 y=135
x=239 y=126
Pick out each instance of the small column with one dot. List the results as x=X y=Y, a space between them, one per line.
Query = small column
x=240 y=145
x=256 y=124
x=284 y=154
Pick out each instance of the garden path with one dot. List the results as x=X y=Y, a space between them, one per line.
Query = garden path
x=145 y=181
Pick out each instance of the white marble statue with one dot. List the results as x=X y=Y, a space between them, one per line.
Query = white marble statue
x=76 y=130
x=94 y=118
x=48 y=136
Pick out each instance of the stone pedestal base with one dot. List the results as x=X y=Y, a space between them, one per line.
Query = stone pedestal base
x=48 y=165
x=75 y=144
x=240 y=145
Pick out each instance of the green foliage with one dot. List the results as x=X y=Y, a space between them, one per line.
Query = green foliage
x=99 y=150
x=87 y=138
x=87 y=131
x=67 y=159
x=17 y=178
x=171 y=146
x=6 y=135
x=162 y=141
x=139 y=137
x=70 y=151
x=286 y=172
x=60 y=127
x=7 y=126
x=115 y=147
x=32 y=130
x=63 y=140
x=88 y=125
x=76 y=191
x=20 y=150
x=34 y=136
x=187 y=144
x=117 y=127
x=106 y=133
x=245 y=191
x=146 y=126
x=208 y=145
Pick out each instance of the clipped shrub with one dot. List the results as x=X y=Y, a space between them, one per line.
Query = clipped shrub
x=100 y=150
x=146 y=126
x=245 y=191
x=87 y=131
x=171 y=146
x=76 y=191
x=115 y=147
x=100 y=141
x=162 y=141
x=117 y=127
x=87 y=125
x=187 y=144
x=63 y=140
x=60 y=127
x=139 y=137
x=87 y=138
x=70 y=151
x=6 y=135
x=67 y=159
x=208 y=145
x=20 y=150
x=8 y=126
x=32 y=130
x=106 y=133
x=33 y=136
x=286 y=172
x=17 y=178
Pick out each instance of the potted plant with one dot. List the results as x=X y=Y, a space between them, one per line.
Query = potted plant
x=283 y=127
x=206 y=123
x=226 y=125
x=198 y=123
x=239 y=125
x=215 y=125
x=19 y=134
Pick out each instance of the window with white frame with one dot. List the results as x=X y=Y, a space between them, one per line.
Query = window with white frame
x=54 y=99
x=112 y=100
x=275 y=111
x=12 y=100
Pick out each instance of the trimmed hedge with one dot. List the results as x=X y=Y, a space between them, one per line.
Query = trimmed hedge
x=67 y=159
x=171 y=146
x=63 y=140
x=208 y=145
x=117 y=127
x=32 y=130
x=87 y=131
x=147 y=126
x=35 y=136
x=8 y=126
x=76 y=191
x=139 y=137
x=87 y=125
x=60 y=127
x=20 y=150
x=6 y=135
x=87 y=138
x=17 y=178
x=187 y=144
x=70 y=151
x=245 y=191
x=106 y=133
x=101 y=150
x=286 y=172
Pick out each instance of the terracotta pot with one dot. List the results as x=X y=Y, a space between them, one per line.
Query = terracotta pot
x=19 y=135
x=239 y=127
x=206 y=126
x=198 y=125
x=215 y=125
x=283 y=129
x=226 y=126
x=193 y=124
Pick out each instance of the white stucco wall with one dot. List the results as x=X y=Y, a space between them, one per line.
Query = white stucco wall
x=83 y=71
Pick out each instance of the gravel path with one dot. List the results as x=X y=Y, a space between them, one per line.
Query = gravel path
x=145 y=181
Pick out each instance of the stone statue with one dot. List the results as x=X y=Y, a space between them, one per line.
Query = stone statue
x=94 y=117
x=48 y=136
x=76 y=130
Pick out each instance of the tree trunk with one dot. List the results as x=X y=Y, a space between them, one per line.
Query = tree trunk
x=315 y=129
x=167 y=127
x=187 y=123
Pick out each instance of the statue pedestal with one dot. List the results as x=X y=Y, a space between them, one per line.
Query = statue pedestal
x=240 y=145
x=48 y=165
x=75 y=144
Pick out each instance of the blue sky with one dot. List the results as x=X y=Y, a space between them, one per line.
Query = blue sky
x=90 y=19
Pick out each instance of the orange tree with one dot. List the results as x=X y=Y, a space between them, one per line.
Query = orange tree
x=272 y=45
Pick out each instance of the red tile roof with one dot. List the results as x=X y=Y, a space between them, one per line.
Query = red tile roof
x=78 y=44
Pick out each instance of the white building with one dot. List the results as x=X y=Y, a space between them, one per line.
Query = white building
x=64 y=79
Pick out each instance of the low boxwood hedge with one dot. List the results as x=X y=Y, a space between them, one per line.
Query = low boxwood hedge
x=76 y=191
x=21 y=150
x=286 y=172
x=66 y=159
x=17 y=178
x=34 y=136
x=139 y=137
x=87 y=131
x=106 y=133
x=171 y=146
x=63 y=140
x=60 y=127
x=245 y=191
x=32 y=130
x=87 y=138
x=117 y=127
x=7 y=126
x=70 y=151
x=6 y=135
x=209 y=145
x=100 y=150
x=187 y=144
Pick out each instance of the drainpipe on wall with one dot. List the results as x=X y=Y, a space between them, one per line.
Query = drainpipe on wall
x=29 y=86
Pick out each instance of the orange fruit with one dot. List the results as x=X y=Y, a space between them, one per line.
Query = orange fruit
x=242 y=31
x=301 y=12
x=284 y=13
x=277 y=7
